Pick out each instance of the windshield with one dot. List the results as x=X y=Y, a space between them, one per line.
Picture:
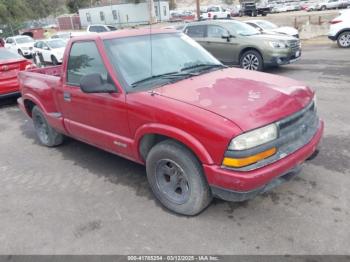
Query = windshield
x=7 y=54
x=266 y=25
x=240 y=28
x=24 y=40
x=58 y=43
x=172 y=53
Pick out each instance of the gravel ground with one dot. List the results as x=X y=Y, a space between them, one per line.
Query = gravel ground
x=76 y=199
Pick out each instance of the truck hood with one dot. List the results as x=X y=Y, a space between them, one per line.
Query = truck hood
x=249 y=99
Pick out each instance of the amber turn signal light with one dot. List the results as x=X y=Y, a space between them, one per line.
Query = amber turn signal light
x=246 y=161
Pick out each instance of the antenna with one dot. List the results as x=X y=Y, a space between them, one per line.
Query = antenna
x=150 y=32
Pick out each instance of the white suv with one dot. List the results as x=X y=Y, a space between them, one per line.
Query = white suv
x=22 y=44
x=340 y=29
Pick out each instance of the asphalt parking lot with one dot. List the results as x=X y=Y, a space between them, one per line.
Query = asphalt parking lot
x=76 y=199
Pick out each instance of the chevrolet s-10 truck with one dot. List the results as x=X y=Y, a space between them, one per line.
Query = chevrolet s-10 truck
x=201 y=129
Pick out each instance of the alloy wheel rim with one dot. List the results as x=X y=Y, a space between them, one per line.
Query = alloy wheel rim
x=344 y=40
x=172 y=182
x=250 y=62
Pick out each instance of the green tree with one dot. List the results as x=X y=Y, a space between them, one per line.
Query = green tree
x=75 y=5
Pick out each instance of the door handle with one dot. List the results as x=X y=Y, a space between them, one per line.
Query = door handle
x=67 y=96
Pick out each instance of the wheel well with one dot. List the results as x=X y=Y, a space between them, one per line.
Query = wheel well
x=150 y=140
x=29 y=105
x=343 y=31
x=248 y=49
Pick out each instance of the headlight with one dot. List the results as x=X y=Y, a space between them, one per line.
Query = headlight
x=278 y=44
x=254 y=138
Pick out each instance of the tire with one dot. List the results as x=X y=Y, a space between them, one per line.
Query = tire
x=176 y=178
x=45 y=133
x=251 y=60
x=54 y=60
x=323 y=8
x=343 y=40
x=215 y=17
x=228 y=17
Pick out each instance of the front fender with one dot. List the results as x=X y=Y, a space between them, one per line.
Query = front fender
x=175 y=133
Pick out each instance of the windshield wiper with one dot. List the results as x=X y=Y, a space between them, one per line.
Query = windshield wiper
x=170 y=75
x=205 y=66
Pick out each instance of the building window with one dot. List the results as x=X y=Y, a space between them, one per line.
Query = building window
x=164 y=10
x=88 y=17
x=102 y=16
x=156 y=10
x=115 y=14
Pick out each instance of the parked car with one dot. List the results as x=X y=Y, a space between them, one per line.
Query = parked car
x=201 y=129
x=280 y=8
x=181 y=16
x=250 y=8
x=66 y=36
x=10 y=64
x=237 y=43
x=332 y=4
x=52 y=50
x=309 y=7
x=340 y=29
x=214 y=12
x=2 y=42
x=100 y=28
x=268 y=27
x=22 y=44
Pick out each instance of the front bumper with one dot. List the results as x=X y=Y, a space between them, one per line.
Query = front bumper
x=259 y=180
x=284 y=58
x=332 y=37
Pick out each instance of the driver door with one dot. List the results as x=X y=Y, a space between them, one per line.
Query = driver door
x=96 y=118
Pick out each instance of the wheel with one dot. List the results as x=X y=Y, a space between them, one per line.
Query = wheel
x=215 y=17
x=254 y=13
x=228 y=16
x=54 y=60
x=240 y=13
x=323 y=8
x=46 y=134
x=252 y=60
x=264 y=14
x=176 y=178
x=344 y=40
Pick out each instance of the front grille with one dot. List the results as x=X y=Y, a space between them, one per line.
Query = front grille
x=295 y=131
x=294 y=44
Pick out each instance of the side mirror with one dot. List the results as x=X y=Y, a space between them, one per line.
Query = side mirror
x=227 y=36
x=93 y=83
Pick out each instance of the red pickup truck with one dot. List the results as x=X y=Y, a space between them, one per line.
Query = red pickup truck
x=201 y=129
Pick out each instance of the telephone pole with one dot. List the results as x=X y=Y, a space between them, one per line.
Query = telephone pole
x=198 y=9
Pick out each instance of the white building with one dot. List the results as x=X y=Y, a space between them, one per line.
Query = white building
x=124 y=14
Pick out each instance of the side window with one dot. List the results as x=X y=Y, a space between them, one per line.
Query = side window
x=196 y=31
x=88 y=17
x=102 y=16
x=9 y=41
x=115 y=14
x=254 y=25
x=84 y=59
x=39 y=45
x=216 y=31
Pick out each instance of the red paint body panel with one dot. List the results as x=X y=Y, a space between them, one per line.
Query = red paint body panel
x=8 y=74
x=251 y=180
x=203 y=112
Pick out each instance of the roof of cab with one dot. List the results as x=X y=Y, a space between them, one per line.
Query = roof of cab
x=123 y=33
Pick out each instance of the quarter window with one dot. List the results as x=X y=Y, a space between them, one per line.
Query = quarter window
x=115 y=14
x=84 y=59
